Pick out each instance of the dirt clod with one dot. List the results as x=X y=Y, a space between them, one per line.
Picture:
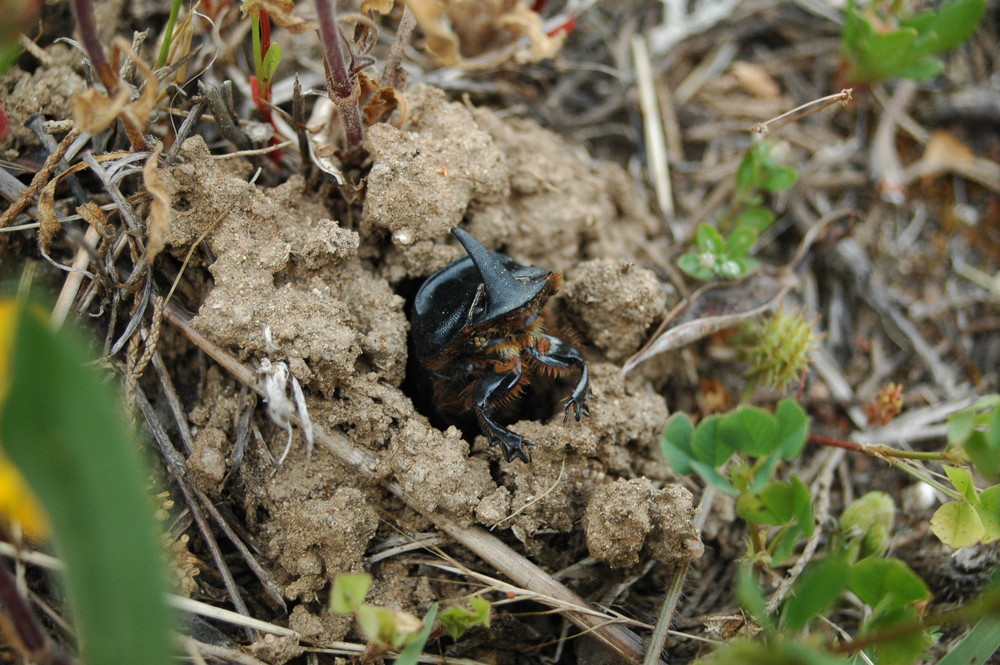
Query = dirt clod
x=626 y=516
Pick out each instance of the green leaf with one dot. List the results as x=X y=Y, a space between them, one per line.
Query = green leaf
x=740 y=241
x=780 y=180
x=784 y=544
x=793 y=428
x=802 y=505
x=989 y=513
x=751 y=598
x=754 y=218
x=691 y=265
x=772 y=505
x=711 y=476
x=956 y=524
x=962 y=480
x=952 y=24
x=707 y=239
x=815 y=591
x=903 y=649
x=349 y=591
x=976 y=647
x=63 y=427
x=746 y=174
x=411 y=654
x=377 y=623
x=878 y=580
x=270 y=64
x=960 y=426
x=984 y=456
x=706 y=444
x=763 y=470
x=457 y=619
x=676 y=443
x=750 y=430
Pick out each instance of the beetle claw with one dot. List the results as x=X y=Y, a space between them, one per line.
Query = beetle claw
x=513 y=445
x=580 y=408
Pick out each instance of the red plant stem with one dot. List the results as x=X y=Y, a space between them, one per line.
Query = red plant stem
x=876 y=450
x=831 y=442
x=84 y=11
x=265 y=35
x=343 y=92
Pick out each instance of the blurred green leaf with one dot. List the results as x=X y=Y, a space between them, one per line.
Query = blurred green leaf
x=976 y=647
x=903 y=649
x=754 y=218
x=692 y=265
x=956 y=524
x=411 y=654
x=676 y=443
x=457 y=619
x=706 y=444
x=751 y=598
x=64 y=429
x=876 y=580
x=708 y=239
x=952 y=23
x=816 y=590
x=802 y=505
x=793 y=428
x=349 y=591
x=780 y=180
x=989 y=513
x=771 y=505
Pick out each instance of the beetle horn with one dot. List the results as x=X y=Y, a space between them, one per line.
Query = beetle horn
x=504 y=292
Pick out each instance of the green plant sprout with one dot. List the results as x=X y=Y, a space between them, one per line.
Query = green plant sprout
x=168 y=32
x=728 y=256
x=889 y=40
x=392 y=630
x=266 y=58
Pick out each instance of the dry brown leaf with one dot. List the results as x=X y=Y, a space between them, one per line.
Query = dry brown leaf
x=380 y=6
x=280 y=12
x=48 y=223
x=441 y=41
x=381 y=101
x=94 y=111
x=525 y=22
x=158 y=222
x=91 y=213
x=754 y=79
x=946 y=154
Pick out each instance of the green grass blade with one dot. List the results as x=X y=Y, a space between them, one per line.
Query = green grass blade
x=63 y=428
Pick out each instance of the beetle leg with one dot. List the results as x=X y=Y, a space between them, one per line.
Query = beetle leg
x=562 y=355
x=491 y=388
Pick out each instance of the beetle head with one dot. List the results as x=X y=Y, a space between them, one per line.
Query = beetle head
x=506 y=290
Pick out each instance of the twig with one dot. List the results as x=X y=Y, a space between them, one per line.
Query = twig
x=39 y=180
x=393 y=74
x=342 y=85
x=657 y=159
x=796 y=114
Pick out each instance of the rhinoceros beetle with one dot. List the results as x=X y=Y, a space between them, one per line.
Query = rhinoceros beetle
x=479 y=331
